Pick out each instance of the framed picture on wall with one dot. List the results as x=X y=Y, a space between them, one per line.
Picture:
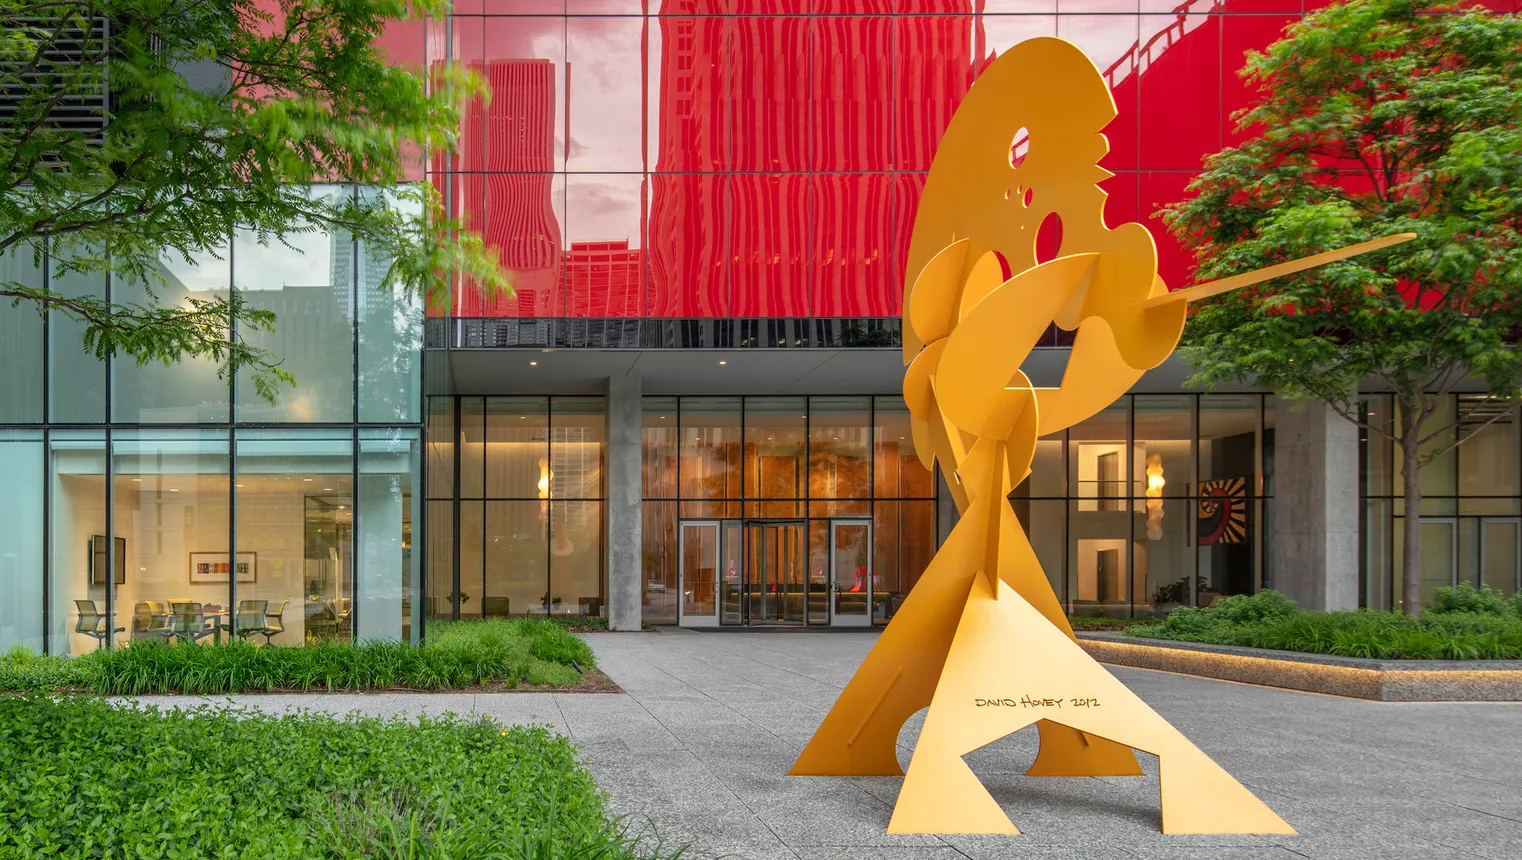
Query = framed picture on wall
x=98 y=560
x=212 y=568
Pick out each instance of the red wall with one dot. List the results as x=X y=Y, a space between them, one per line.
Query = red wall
x=739 y=158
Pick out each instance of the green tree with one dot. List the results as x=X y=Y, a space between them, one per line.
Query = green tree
x=135 y=130
x=1373 y=117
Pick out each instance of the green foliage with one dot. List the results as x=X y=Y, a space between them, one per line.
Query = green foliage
x=462 y=654
x=223 y=115
x=1246 y=608
x=1270 y=620
x=1373 y=117
x=87 y=779
x=22 y=669
x=1466 y=598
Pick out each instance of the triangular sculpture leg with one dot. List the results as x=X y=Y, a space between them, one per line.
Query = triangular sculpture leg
x=859 y=736
x=1008 y=668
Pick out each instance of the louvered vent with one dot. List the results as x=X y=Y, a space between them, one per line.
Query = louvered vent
x=69 y=76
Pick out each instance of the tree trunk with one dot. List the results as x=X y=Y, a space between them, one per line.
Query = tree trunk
x=1410 y=466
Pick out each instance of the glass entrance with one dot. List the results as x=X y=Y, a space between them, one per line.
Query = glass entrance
x=851 y=573
x=776 y=572
x=698 y=576
x=756 y=572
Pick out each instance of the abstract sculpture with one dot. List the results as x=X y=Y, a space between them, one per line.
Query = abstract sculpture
x=982 y=639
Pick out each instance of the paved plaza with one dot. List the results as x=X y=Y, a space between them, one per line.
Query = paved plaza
x=697 y=749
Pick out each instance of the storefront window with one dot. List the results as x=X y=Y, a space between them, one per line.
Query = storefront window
x=295 y=510
x=840 y=448
x=171 y=523
x=897 y=470
x=386 y=573
x=776 y=451
x=709 y=467
x=80 y=614
x=1226 y=510
x=21 y=539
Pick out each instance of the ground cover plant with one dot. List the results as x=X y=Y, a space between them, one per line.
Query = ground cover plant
x=507 y=652
x=1464 y=623
x=85 y=778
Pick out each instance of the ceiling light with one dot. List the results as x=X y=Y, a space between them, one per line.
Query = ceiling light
x=240 y=485
x=140 y=480
x=174 y=489
x=533 y=364
x=327 y=489
x=308 y=480
x=723 y=362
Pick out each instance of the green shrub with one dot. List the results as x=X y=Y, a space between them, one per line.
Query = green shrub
x=458 y=654
x=22 y=669
x=1246 y=608
x=1380 y=635
x=85 y=779
x=1466 y=598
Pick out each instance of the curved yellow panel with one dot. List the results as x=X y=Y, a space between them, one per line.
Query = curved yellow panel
x=933 y=300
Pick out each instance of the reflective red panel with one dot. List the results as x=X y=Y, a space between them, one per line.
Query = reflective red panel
x=717 y=158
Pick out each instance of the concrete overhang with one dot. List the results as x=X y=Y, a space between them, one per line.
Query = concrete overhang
x=749 y=371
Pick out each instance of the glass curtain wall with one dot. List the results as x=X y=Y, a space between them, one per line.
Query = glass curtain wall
x=1470 y=520
x=163 y=502
x=791 y=510
x=1153 y=503
x=515 y=514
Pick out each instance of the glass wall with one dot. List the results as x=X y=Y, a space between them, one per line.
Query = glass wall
x=1470 y=522
x=792 y=510
x=1151 y=504
x=152 y=501
x=515 y=517
x=21 y=539
x=696 y=158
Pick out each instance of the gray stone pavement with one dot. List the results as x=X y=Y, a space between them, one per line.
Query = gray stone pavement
x=697 y=749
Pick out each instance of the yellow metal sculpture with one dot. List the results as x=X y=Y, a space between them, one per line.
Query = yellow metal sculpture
x=982 y=639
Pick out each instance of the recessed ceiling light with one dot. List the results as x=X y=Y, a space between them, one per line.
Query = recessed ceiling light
x=724 y=362
x=327 y=489
x=308 y=480
x=174 y=489
x=533 y=364
x=140 y=480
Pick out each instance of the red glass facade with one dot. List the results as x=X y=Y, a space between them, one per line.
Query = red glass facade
x=763 y=158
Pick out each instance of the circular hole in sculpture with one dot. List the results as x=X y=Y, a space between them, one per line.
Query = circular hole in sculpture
x=1049 y=238
x=1030 y=197
x=1020 y=147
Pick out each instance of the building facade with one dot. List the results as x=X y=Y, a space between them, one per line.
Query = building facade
x=689 y=409
x=316 y=493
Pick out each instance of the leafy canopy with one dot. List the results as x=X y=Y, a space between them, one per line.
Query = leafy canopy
x=219 y=117
x=1375 y=117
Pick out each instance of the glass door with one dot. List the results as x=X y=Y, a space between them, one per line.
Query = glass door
x=776 y=572
x=851 y=573
x=731 y=583
x=698 y=574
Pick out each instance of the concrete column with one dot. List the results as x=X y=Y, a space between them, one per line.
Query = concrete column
x=1315 y=537
x=622 y=508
